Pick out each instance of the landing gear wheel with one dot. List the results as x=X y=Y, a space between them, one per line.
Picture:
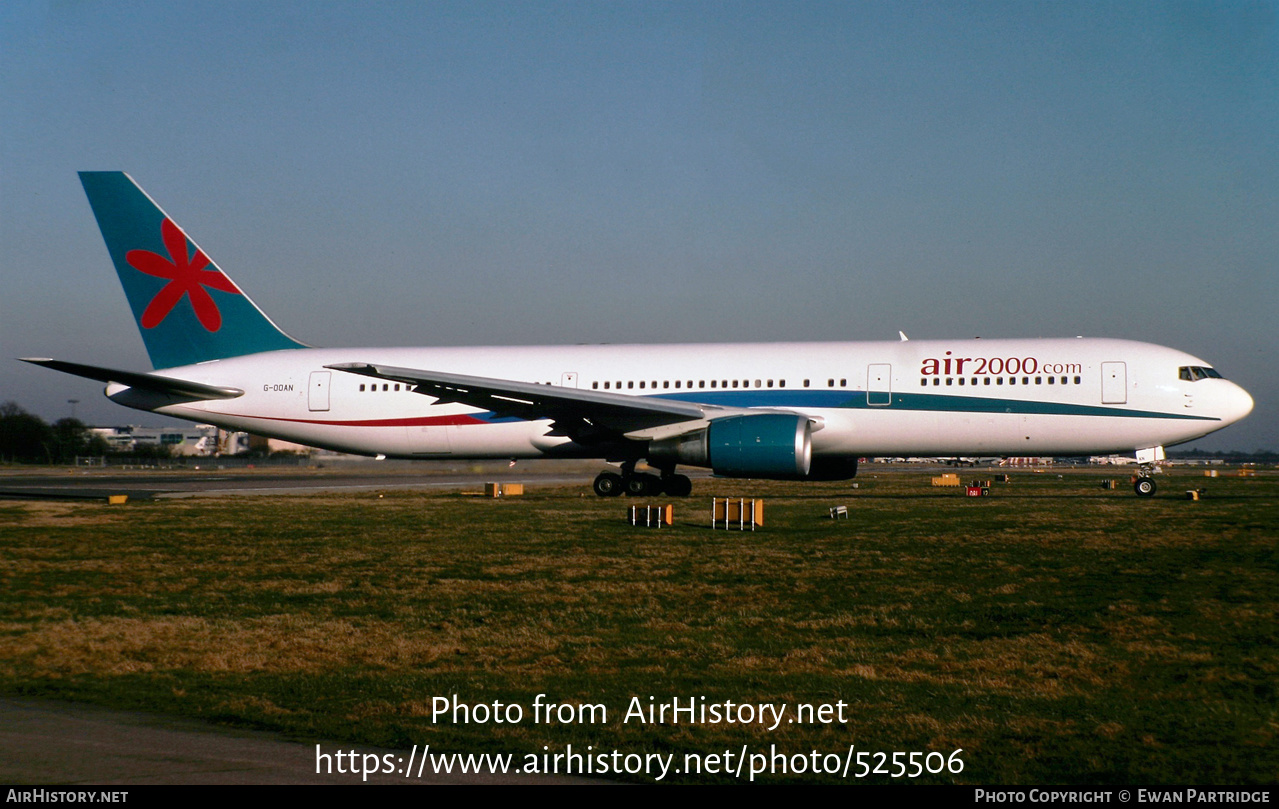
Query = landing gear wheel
x=1145 y=487
x=677 y=486
x=608 y=484
x=643 y=485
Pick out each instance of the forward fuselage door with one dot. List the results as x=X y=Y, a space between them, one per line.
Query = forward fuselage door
x=879 y=385
x=1114 y=383
x=568 y=379
x=317 y=396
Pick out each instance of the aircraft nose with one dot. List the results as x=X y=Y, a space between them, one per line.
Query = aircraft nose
x=1238 y=404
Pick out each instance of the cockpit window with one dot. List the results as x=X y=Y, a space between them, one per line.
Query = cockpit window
x=1194 y=373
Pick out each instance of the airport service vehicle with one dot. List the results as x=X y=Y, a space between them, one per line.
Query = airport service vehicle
x=803 y=411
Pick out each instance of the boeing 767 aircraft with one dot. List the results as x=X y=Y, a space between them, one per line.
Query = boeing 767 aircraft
x=767 y=410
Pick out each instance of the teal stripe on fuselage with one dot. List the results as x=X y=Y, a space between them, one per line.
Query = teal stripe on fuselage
x=918 y=402
x=927 y=402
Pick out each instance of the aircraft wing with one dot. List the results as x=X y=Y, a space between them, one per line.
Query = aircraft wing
x=577 y=413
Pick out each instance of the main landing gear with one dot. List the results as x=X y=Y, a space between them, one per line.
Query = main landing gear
x=1145 y=487
x=641 y=484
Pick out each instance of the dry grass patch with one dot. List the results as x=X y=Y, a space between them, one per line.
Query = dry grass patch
x=1047 y=629
x=58 y=514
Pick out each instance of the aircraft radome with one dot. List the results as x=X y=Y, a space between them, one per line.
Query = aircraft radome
x=802 y=411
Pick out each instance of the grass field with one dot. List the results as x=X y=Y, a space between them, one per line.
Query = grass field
x=1055 y=632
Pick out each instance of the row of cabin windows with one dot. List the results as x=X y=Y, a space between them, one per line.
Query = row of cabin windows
x=643 y=384
x=702 y=383
x=999 y=380
x=781 y=383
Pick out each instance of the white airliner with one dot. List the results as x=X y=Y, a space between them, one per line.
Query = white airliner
x=768 y=410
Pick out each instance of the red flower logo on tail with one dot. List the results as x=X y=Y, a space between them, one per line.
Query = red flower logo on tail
x=186 y=275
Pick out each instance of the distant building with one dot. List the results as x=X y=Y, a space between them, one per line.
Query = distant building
x=194 y=439
x=261 y=443
x=1111 y=460
x=1026 y=461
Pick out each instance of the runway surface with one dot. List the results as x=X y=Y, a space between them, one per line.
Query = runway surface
x=45 y=742
x=212 y=481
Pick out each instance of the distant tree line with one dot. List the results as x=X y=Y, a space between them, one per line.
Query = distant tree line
x=27 y=438
x=1260 y=456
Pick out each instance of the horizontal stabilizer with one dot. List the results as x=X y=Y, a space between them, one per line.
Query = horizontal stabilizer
x=147 y=382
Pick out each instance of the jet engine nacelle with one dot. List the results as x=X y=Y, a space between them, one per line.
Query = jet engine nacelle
x=763 y=446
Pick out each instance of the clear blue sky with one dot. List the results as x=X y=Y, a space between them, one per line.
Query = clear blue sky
x=526 y=173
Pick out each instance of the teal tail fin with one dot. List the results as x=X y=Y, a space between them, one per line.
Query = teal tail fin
x=187 y=310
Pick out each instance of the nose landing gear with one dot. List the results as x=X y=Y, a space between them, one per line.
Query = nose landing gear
x=1148 y=463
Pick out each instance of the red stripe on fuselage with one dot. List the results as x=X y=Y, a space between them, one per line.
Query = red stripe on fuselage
x=420 y=421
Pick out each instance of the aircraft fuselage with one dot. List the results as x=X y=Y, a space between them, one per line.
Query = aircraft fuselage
x=926 y=397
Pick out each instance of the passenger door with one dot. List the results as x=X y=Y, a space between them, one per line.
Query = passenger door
x=1114 y=383
x=879 y=385
x=317 y=395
